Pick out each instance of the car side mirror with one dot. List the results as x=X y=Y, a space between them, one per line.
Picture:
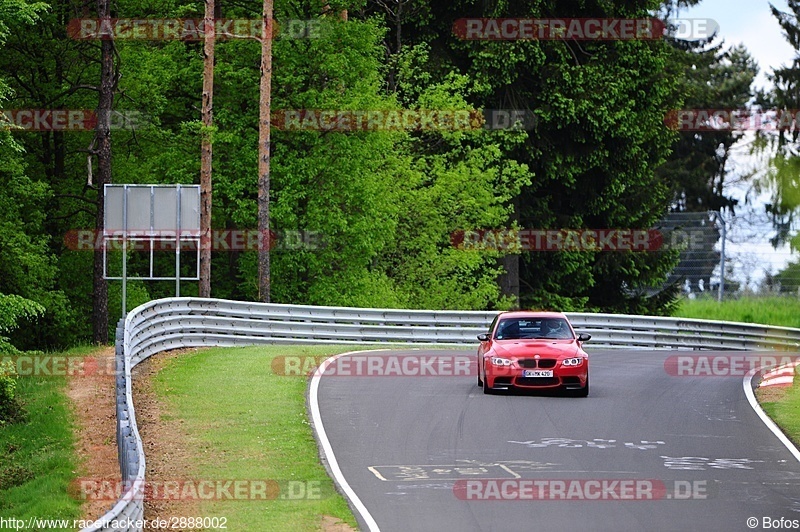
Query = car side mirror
x=583 y=337
x=483 y=337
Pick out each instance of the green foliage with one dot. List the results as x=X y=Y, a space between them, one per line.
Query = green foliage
x=788 y=279
x=781 y=180
x=27 y=265
x=14 y=475
x=592 y=158
x=13 y=308
x=18 y=11
x=464 y=183
x=385 y=204
x=9 y=408
x=710 y=78
x=782 y=311
x=38 y=459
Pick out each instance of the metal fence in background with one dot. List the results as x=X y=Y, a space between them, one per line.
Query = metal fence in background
x=753 y=253
x=701 y=237
x=193 y=322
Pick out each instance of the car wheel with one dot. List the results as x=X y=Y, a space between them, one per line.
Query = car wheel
x=480 y=382
x=584 y=392
x=486 y=389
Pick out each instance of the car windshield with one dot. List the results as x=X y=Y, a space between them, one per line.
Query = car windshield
x=533 y=328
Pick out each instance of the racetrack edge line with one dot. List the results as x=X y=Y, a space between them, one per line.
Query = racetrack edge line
x=747 y=384
x=325 y=444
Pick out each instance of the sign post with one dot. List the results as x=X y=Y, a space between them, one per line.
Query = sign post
x=154 y=215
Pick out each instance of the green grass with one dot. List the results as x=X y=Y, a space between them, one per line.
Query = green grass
x=782 y=311
x=786 y=412
x=245 y=422
x=37 y=455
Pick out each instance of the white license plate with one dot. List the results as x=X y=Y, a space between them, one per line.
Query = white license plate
x=537 y=373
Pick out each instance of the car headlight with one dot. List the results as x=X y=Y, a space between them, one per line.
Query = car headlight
x=497 y=361
x=577 y=361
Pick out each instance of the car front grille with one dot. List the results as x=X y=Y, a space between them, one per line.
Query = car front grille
x=532 y=363
x=536 y=381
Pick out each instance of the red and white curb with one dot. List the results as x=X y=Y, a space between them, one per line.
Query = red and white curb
x=747 y=384
x=780 y=376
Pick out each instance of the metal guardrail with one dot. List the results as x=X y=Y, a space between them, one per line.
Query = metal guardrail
x=193 y=322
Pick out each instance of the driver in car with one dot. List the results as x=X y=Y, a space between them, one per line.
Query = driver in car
x=557 y=329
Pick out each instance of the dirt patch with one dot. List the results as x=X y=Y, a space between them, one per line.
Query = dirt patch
x=333 y=524
x=771 y=394
x=92 y=396
x=165 y=442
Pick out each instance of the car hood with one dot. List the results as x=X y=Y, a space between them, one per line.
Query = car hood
x=529 y=348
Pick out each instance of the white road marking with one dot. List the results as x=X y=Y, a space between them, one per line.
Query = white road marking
x=417 y=472
x=700 y=463
x=327 y=450
x=376 y=473
x=747 y=383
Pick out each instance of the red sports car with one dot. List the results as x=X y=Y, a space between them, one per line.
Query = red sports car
x=533 y=350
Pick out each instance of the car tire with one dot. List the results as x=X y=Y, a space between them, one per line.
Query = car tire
x=480 y=382
x=486 y=389
x=583 y=392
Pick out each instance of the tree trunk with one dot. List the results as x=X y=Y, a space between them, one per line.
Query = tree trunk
x=103 y=136
x=509 y=281
x=206 y=150
x=264 y=241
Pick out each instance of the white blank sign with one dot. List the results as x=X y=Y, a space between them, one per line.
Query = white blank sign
x=152 y=209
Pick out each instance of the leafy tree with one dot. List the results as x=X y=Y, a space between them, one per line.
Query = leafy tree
x=13 y=310
x=591 y=160
x=10 y=409
x=458 y=180
x=788 y=279
x=27 y=270
x=43 y=194
x=782 y=177
x=712 y=78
